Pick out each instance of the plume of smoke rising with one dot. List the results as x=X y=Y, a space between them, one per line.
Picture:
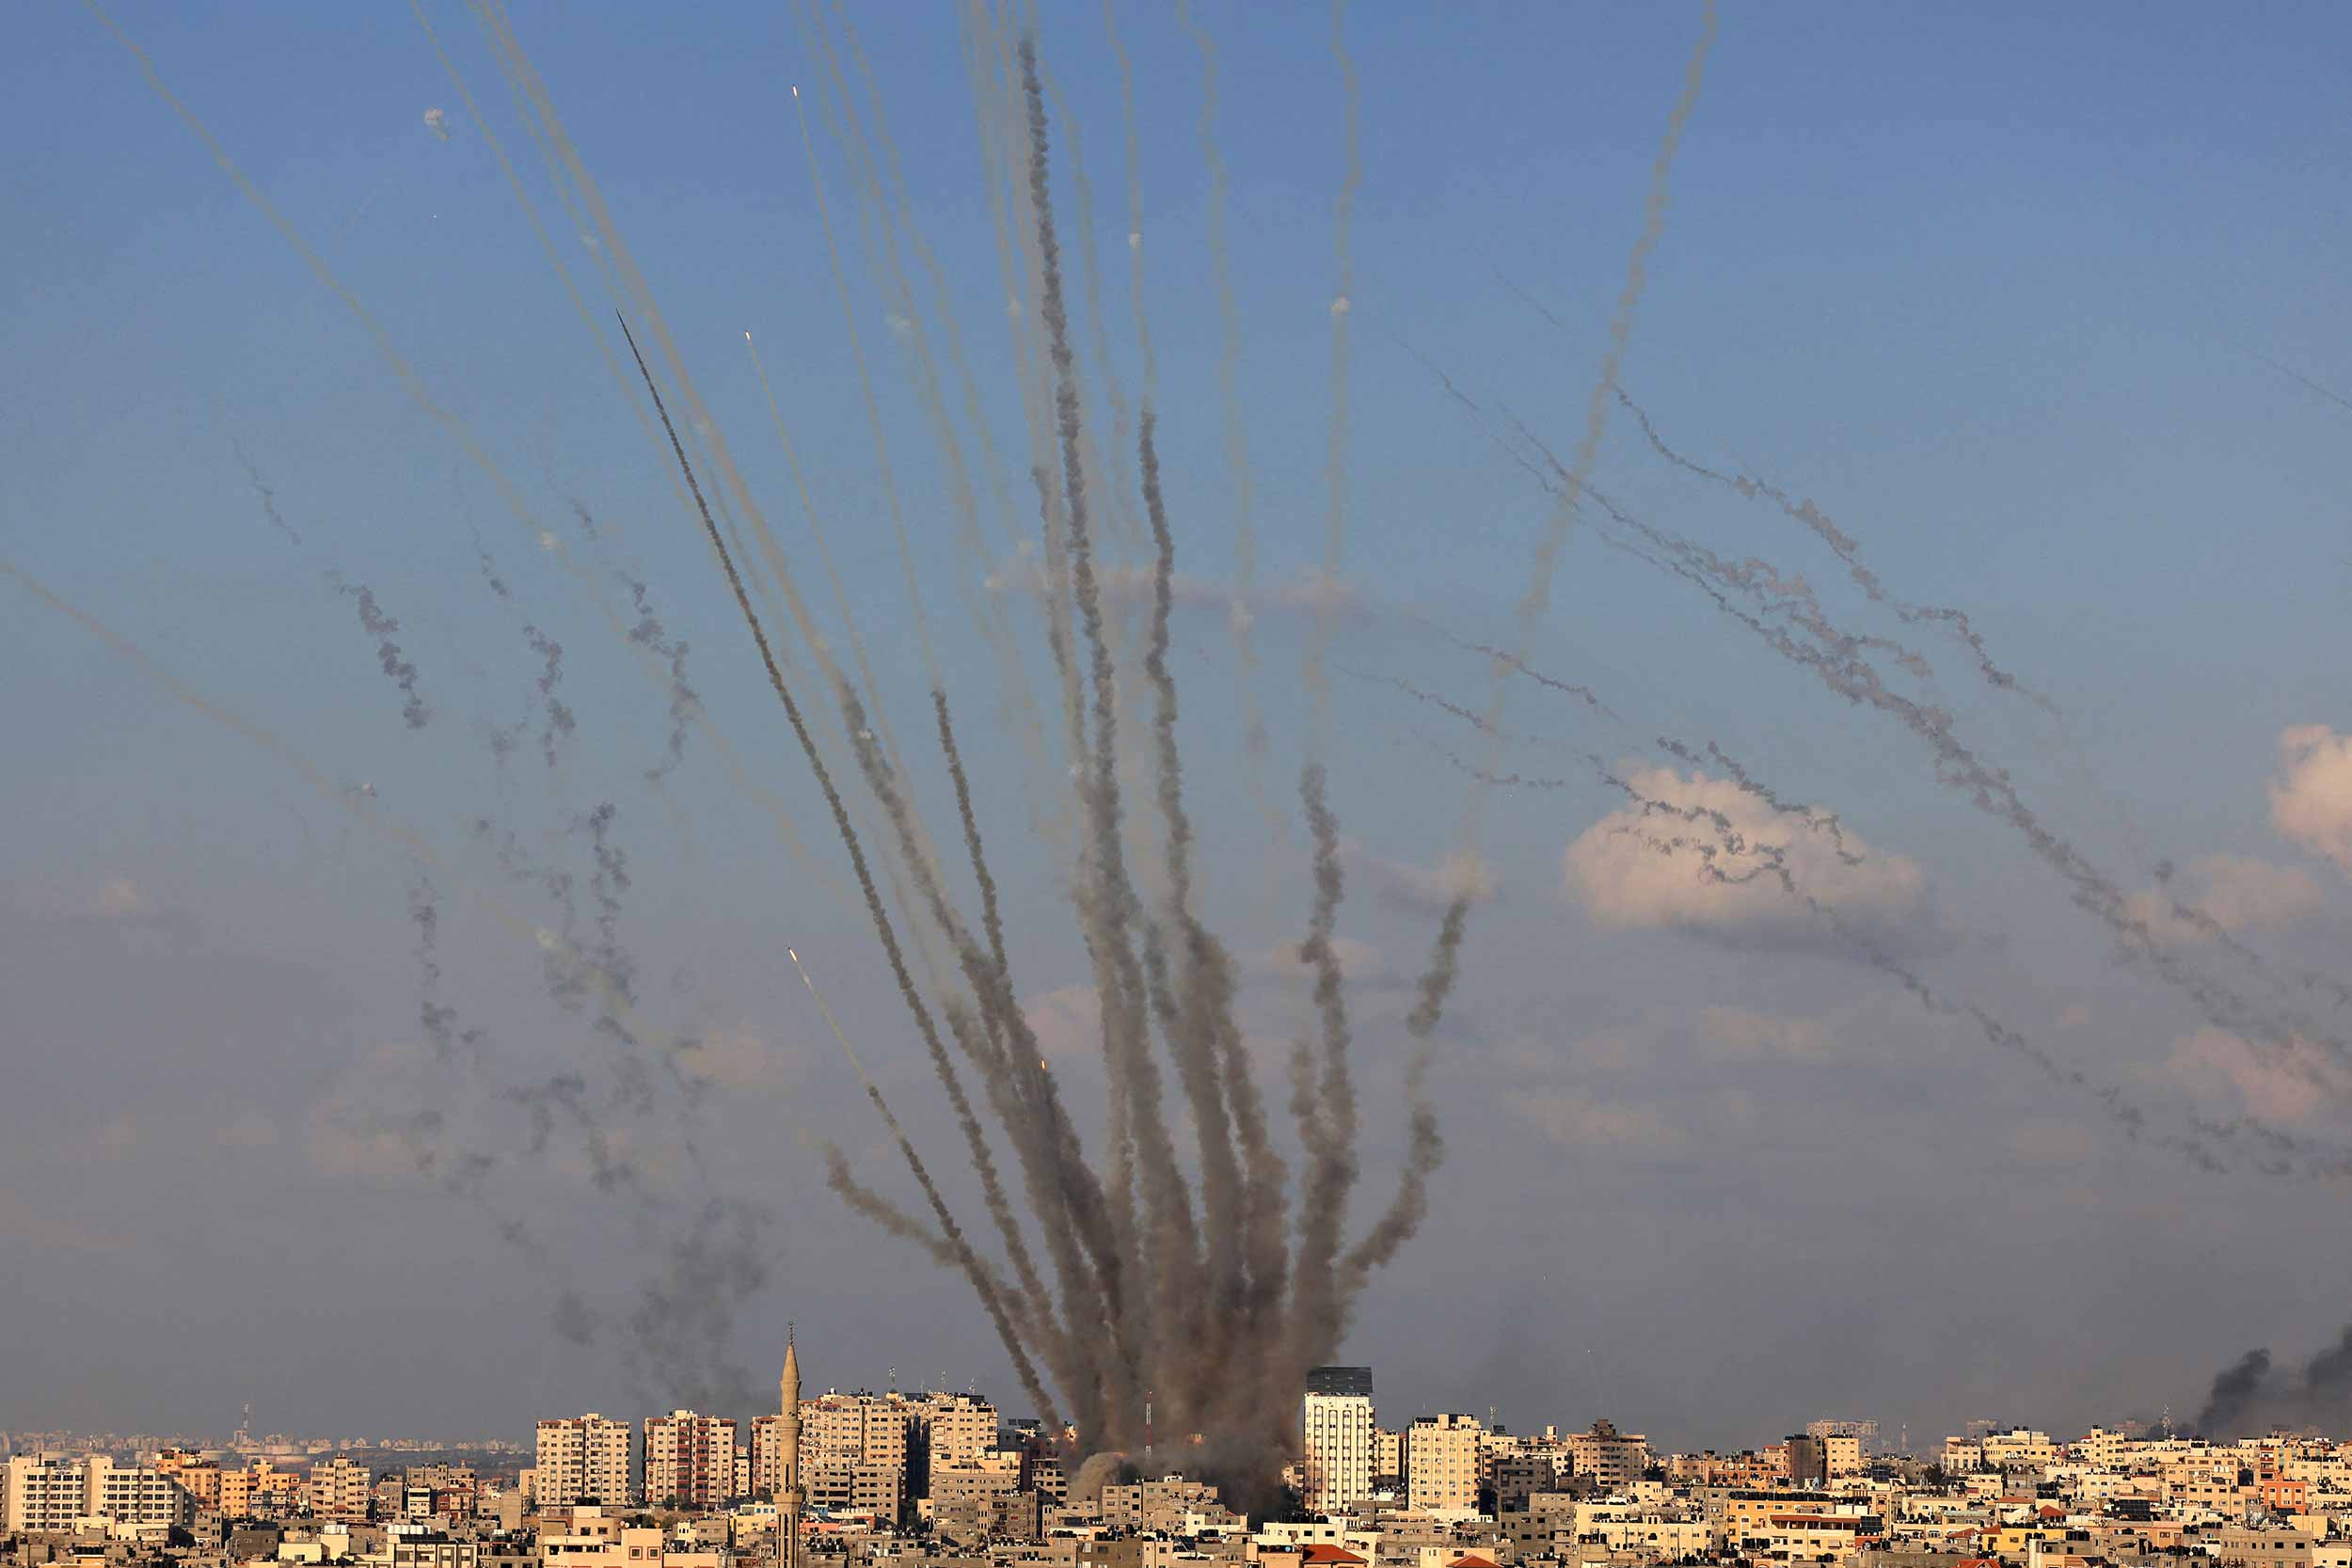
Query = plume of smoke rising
x=2251 y=1396
x=984 y=1283
x=1109 y=907
x=683 y=1325
x=384 y=628
x=1170 y=979
x=1326 y=1105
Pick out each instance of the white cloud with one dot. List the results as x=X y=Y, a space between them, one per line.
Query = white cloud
x=2289 y=1085
x=2310 y=799
x=1647 y=869
x=2236 y=893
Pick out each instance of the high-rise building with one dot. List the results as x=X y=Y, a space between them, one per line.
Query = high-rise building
x=1337 y=1421
x=689 y=1460
x=1441 y=1462
x=585 y=1458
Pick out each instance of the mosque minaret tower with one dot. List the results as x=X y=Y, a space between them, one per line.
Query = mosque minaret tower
x=789 y=1496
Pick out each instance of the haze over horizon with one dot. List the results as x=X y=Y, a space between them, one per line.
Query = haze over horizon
x=1949 y=1091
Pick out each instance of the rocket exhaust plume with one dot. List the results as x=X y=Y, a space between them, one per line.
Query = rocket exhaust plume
x=384 y=628
x=1178 y=1276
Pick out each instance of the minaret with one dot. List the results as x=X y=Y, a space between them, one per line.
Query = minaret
x=789 y=1498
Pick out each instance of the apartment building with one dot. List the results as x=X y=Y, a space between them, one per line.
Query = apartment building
x=689 y=1460
x=1337 y=1421
x=341 y=1488
x=958 y=1428
x=585 y=1458
x=1614 y=1460
x=1441 y=1464
x=56 y=1491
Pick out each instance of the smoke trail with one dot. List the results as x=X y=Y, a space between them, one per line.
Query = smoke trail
x=1992 y=791
x=2306 y=382
x=1062 y=1193
x=893 y=1220
x=559 y=724
x=885 y=788
x=268 y=497
x=1425 y=1149
x=984 y=1286
x=1203 y=1039
x=1538 y=595
x=1849 y=553
x=1328 y=1102
x=384 y=628
x=1824 y=822
x=1109 y=902
x=1837 y=650
x=873 y=410
x=1468 y=716
x=1519 y=666
x=1135 y=202
x=1335 y=443
x=436 y=1017
x=1835 y=657
x=2288 y=1154
x=684 y=704
x=892 y=216
x=1256 y=742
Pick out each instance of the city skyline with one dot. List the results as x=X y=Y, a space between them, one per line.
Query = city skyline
x=1632 y=713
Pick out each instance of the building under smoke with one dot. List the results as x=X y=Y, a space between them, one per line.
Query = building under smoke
x=1336 y=1422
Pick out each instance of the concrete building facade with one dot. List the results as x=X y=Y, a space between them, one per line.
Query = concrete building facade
x=689 y=1458
x=1337 y=1421
x=585 y=1458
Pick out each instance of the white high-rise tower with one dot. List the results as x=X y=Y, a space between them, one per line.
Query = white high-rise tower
x=1337 y=1424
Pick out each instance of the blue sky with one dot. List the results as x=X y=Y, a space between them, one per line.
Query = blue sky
x=1995 y=286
